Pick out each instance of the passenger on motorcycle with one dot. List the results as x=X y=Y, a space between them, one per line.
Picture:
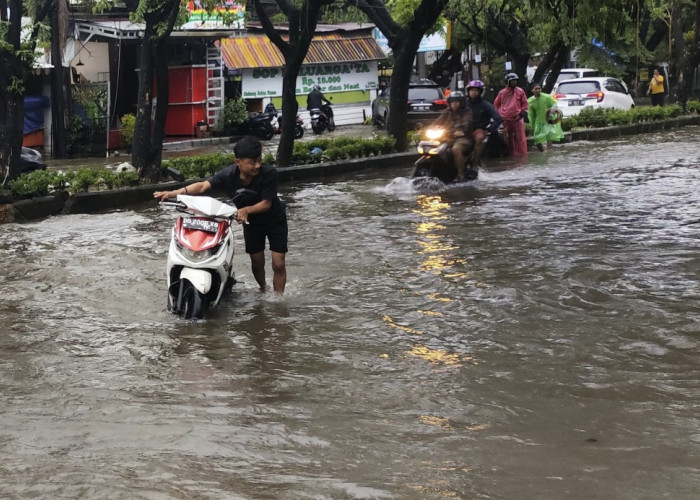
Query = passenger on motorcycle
x=485 y=118
x=315 y=98
x=457 y=120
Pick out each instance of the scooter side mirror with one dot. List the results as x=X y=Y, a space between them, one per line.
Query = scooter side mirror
x=175 y=174
x=245 y=197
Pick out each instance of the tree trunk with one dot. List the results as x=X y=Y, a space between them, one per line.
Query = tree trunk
x=58 y=100
x=11 y=100
x=397 y=125
x=302 y=26
x=404 y=41
x=290 y=107
x=147 y=144
x=558 y=64
x=141 y=143
x=684 y=85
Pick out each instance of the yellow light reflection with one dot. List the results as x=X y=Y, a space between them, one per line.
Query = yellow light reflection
x=438 y=356
x=439 y=254
x=436 y=421
x=436 y=296
x=391 y=322
x=431 y=206
x=431 y=313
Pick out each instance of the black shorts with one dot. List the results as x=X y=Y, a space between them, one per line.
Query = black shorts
x=657 y=99
x=254 y=235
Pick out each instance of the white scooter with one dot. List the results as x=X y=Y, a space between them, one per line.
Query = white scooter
x=200 y=258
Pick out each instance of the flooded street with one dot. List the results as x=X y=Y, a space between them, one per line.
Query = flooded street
x=534 y=335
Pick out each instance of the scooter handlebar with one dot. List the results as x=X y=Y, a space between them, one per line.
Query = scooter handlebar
x=177 y=205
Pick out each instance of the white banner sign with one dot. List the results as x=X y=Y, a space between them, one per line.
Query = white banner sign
x=427 y=44
x=333 y=77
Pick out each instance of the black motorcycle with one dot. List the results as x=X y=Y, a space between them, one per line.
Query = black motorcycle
x=322 y=119
x=277 y=122
x=436 y=159
x=259 y=125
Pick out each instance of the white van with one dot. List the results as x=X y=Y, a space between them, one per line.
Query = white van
x=569 y=73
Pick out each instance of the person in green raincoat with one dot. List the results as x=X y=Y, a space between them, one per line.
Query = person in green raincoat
x=545 y=123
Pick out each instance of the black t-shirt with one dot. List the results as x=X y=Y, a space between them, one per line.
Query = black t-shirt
x=265 y=184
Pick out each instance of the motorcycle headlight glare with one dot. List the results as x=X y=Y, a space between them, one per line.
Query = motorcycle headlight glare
x=434 y=133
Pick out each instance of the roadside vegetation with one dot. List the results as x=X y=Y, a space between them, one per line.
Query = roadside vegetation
x=610 y=117
x=46 y=182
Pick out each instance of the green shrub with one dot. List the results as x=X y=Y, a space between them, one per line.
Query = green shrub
x=199 y=167
x=568 y=124
x=128 y=126
x=693 y=106
x=235 y=112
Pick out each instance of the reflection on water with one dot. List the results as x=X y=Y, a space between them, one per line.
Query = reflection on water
x=530 y=335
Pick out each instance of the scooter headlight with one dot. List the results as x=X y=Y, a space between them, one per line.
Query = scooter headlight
x=196 y=256
x=434 y=133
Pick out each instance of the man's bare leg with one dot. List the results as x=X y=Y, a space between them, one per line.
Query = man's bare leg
x=279 y=269
x=459 y=161
x=257 y=265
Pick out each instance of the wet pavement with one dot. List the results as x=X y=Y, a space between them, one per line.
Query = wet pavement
x=531 y=335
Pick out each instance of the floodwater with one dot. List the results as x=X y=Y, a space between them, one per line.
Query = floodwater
x=534 y=335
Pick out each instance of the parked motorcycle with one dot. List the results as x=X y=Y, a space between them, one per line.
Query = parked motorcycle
x=277 y=122
x=436 y=158
x=31 y=160
x=322 y=119
x=259 y=125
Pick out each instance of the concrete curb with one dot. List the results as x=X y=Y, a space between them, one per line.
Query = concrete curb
x=101 y=201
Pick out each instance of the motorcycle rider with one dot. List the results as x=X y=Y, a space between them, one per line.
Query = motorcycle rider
x=315 y=99
x=457 y=119
x=485 y=119
x=511 y=103
x=266 y=218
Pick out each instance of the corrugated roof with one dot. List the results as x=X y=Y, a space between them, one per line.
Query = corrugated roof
x=260 y=52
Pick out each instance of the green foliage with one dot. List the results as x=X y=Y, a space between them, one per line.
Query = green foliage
x=693 y=106
x=199 y=167
x=606 y=117
x=342 y=148
x=45 y=182
x=74 y=129
x=235 y=112
x=128 y=126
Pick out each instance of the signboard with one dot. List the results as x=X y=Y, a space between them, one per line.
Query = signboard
x=332 y=77
x=229 y=15
x=429 y=43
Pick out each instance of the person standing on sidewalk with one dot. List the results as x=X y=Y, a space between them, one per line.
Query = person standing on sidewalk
x=656 y=89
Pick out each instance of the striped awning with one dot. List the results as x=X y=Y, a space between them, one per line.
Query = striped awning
x=260 y=52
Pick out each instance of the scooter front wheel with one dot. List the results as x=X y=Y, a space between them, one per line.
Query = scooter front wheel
x=194 y=303
x=298 y=132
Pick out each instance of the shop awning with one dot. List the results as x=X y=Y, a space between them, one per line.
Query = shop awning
x=259 y=52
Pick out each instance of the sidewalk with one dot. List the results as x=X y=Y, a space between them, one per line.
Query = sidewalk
x=190 y=146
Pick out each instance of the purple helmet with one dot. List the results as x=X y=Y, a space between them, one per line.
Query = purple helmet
x=476 y=84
